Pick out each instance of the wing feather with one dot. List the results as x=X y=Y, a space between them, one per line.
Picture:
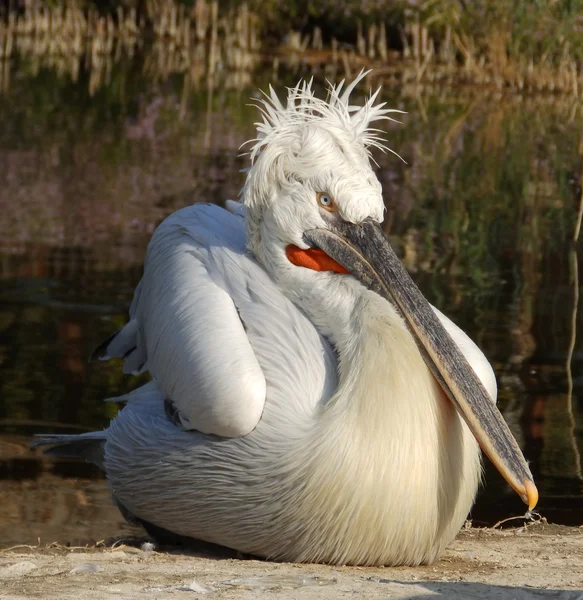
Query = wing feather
x=215 y=331
x=194 y=340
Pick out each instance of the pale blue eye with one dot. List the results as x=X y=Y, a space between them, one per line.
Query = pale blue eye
x=325 y=200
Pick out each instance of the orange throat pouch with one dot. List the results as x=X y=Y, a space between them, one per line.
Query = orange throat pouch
x=313 y=258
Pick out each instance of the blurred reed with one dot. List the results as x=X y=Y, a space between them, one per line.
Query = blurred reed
x=207 y=40
x=453 y=61
x=518 y=45
x=174 y=38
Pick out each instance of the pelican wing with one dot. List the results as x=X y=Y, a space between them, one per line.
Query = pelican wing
x=187 y=323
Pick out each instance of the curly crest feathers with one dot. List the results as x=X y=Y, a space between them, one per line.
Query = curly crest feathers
x=335 y=113
x=306 y=137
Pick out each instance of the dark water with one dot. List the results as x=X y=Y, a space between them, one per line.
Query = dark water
x=483 y=214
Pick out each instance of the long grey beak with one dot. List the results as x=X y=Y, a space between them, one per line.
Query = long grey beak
x=364 y=251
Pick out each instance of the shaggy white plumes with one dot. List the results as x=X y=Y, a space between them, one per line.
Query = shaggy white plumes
x=335 y=114
x=310 y=144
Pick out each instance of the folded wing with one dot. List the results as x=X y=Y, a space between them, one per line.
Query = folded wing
x=187 y=326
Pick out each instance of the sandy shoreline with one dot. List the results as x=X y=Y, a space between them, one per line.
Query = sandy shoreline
x=541 y=561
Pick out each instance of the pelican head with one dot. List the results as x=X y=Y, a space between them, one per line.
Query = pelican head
x=314 y=208
x=310 y=160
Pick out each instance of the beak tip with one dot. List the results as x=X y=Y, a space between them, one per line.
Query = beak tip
x=530 y=496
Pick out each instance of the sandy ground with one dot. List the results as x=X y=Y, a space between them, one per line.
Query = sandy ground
x=540 y=561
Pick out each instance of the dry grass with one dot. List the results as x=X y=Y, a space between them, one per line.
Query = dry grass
x=202 y=41
x=437 y=46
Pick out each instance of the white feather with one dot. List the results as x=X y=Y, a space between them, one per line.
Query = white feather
x=321 y=476
x=354 y=454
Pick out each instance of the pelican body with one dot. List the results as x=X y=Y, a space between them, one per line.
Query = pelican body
x=307 y=403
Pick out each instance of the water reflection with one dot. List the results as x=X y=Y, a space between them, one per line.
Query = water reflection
x=483 y=214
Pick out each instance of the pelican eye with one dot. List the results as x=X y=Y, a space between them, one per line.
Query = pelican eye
x=326 y=201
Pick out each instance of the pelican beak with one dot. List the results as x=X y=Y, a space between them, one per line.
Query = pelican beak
x=364 y=251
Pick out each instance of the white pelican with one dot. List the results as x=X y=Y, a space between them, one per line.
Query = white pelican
x=307 y=403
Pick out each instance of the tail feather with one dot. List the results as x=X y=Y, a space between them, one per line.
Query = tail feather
x=100 y=353
x=123 y=344
x=148 y=391
x=90 y=446
x=86 y=446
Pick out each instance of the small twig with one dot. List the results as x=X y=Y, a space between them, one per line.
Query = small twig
x=529 y=515
x=121 y=542
x=575 y=280
x=69 y=548
x=17 y=547
x=579 y=216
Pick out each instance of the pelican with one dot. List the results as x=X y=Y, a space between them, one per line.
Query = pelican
x=307 y=403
